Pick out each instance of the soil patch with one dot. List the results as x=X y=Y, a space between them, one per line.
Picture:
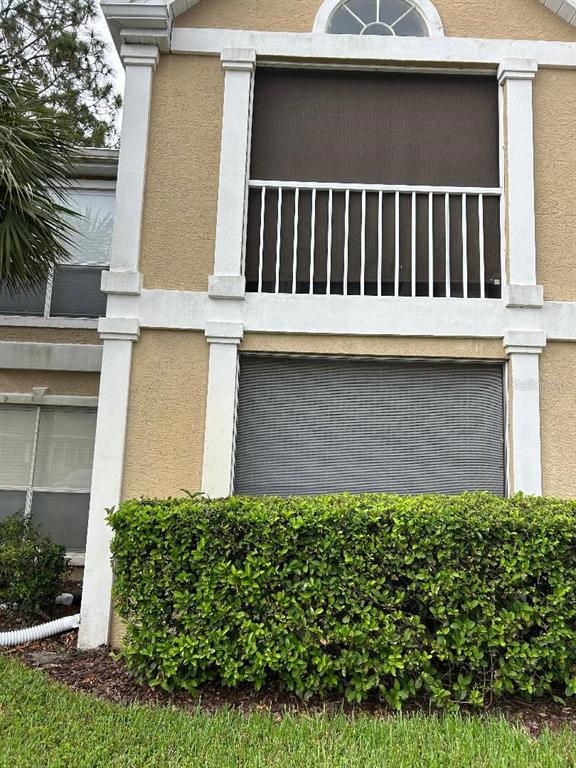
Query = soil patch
x=100 y=674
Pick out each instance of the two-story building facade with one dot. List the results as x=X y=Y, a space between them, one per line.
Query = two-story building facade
x=343 y=258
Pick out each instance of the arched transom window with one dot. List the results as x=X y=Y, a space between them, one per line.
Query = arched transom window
x=391 y=18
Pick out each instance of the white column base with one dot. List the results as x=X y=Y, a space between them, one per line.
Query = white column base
x=524 y=348
x=118 y=336
x=220 y=434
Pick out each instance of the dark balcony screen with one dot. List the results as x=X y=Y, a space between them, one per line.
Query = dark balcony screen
x=375 y=128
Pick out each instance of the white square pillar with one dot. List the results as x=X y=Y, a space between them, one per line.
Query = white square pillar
x=516 y=76
x=524 y=349
x=140 y=62
x=228 y=280
x=118 y=337
x=220 y=433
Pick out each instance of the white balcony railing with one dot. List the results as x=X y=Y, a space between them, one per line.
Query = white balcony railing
x=366 y=239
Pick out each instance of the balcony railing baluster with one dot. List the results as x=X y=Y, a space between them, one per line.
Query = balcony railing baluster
x=355 y=239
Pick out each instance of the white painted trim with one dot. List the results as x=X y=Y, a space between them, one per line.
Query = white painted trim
x=516 y=77
x=106 y=491
x=348 y=315
x=140 y=64
x=525 y=341
x=566 y=9
x=124 y=328
x=221 y=401
x=50 y=357
x=425 y=7
x=446 y=51
x=524 y=295
x=239 y=65
x=41 y=398
x=526 y=460
x=127 y=283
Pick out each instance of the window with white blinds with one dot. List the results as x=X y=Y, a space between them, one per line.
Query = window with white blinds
x=46 y=456
x=322 y=425
x=73 y=289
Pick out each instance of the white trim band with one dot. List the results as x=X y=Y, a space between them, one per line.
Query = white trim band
x=34 y=356
x=424 y=50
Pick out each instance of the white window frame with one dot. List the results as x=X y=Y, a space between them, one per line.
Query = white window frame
x=37 y=400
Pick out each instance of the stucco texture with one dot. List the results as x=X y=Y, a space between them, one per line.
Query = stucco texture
x=179 y=219
x=58 y=382
x=378 y=346
x=166 y=414
x=507 y=19
x=555 y=169
x=49 y=335
x=558 y=418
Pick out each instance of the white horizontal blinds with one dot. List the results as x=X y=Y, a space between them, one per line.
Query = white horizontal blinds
x=65 y=449
x=16 y=445
x=309 y=425
x=92 y=239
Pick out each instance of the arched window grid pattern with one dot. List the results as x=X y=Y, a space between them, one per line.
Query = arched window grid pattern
x=386 y=18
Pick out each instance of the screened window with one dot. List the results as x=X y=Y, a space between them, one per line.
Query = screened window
x=46 y=456
x=389 y=18
x=73 y=290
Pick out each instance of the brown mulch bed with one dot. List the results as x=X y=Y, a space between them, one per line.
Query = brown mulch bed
x=98 y=673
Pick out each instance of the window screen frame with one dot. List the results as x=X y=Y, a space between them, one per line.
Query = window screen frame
x=503 y=364
x=30 y=488
x=103 y=186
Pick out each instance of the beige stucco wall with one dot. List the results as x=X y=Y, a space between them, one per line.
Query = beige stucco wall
x=381 y=346
x=166 y=413
x=49 y=335
x=558 y=418
x=509 y=19
x=555 y=168
x=58 y=382
x=179 y=221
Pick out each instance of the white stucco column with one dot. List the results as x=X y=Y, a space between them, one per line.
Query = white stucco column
x=220 y=433
x=516 y=76
x=227 y=280
x=118 y=337
x=523 y=349
x=124 y=276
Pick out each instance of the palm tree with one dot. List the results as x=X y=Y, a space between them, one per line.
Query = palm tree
x=35 y=167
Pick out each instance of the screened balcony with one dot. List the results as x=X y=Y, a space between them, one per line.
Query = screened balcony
x=374 y=184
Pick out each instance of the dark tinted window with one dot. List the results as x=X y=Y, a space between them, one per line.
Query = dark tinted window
x=26 y=303
x=76 y=293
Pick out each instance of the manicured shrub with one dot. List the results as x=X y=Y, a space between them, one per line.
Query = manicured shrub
x=32 y=568
x=460 y=598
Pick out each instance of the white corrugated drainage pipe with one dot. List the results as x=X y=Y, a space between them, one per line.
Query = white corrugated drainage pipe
x=21 y=636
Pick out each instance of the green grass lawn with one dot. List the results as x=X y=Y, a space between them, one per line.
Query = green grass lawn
x=45 y=724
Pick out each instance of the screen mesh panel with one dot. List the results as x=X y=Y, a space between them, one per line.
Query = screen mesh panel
x=63 y=517
x=309 y=425
x=374 y=127
x=12 y=503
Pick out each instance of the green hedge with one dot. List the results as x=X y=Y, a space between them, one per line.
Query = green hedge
x=460 y=598
x=32 y=568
